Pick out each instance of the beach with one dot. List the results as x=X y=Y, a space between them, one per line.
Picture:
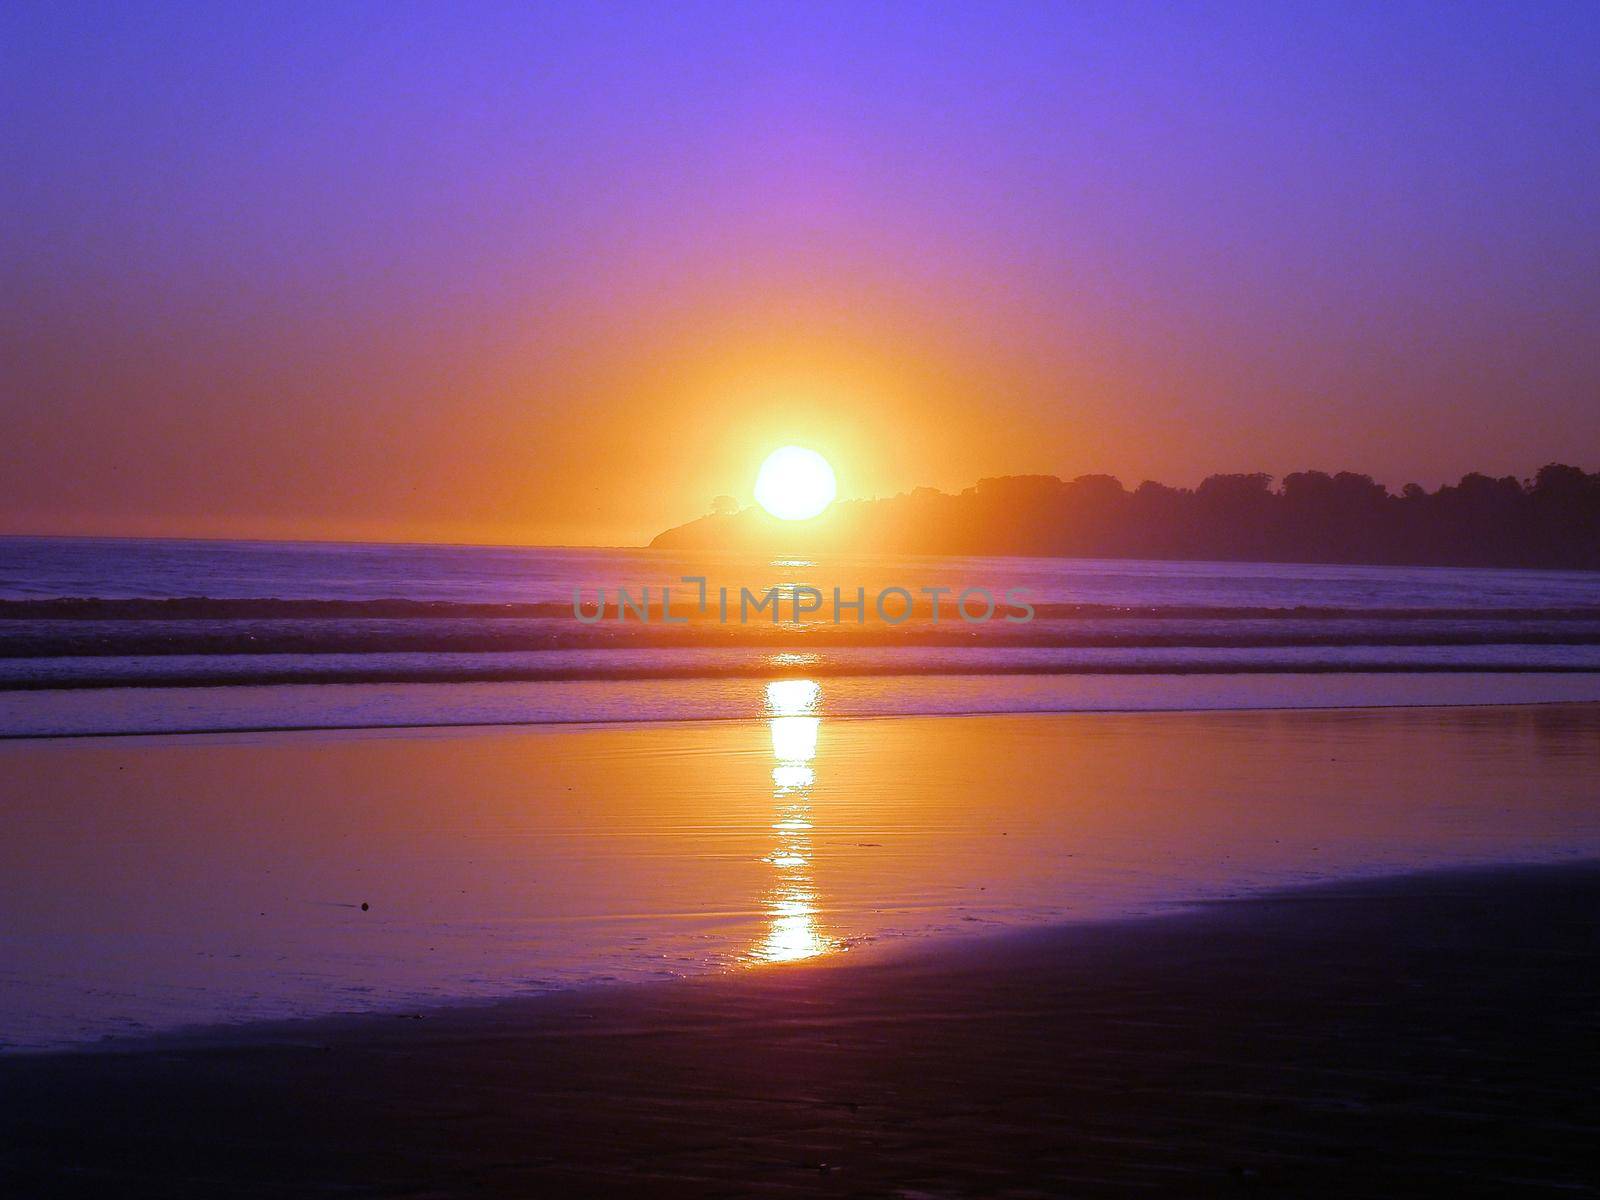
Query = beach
x=1344 y=952
x=1422 y=1034
x=1185 y=896
x=155 y=883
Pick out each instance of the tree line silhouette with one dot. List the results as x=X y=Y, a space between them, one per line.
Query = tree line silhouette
x=1550 y=520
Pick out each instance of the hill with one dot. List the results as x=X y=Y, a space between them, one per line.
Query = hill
x=1551 y=520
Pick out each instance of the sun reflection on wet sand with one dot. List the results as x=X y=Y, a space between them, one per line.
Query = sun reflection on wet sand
x=791 y=904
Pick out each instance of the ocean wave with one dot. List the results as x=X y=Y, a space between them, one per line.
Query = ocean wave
x=186 y=608
x=20 y=639
x=738 y=662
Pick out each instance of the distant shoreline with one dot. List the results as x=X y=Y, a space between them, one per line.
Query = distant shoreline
x=1548 y=522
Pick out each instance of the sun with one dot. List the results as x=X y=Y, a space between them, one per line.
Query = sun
x=795 y=483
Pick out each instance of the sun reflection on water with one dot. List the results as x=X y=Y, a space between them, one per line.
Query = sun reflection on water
x=792 y=932
x=795 y=698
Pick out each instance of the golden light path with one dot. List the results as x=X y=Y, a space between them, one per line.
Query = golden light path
x=791 y=904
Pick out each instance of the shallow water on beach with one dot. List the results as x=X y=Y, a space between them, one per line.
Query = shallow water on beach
x=152 y=883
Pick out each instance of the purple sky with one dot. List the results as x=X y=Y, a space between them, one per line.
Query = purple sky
x=565 y=272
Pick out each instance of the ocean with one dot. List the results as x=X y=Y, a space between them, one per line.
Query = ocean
x=129 y=635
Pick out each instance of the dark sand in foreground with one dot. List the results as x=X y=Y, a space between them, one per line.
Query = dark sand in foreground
x=1427 y=1035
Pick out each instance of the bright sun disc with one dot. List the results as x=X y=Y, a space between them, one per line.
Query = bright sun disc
x=795 y=483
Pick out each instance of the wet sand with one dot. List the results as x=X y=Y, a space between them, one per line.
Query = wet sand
x=152 y=883
x=1429 y=1034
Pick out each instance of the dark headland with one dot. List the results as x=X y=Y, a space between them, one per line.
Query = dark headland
x=1551 y=520
x=1417 y=1036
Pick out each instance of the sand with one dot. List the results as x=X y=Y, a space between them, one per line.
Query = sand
x=151 y=883
x=1430 y=1034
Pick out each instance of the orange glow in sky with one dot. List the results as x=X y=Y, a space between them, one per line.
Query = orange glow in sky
x=560 y=276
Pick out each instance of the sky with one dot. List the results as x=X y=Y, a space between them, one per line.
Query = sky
x=563 y=273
